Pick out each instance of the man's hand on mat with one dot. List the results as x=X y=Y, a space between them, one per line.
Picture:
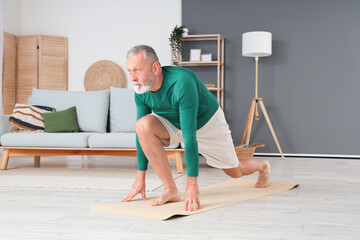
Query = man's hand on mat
x=192 y=201
x=138 y=187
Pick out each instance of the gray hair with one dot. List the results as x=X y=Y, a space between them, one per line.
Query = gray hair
x=149 y=53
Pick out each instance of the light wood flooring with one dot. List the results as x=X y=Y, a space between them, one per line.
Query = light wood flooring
x=325 y=206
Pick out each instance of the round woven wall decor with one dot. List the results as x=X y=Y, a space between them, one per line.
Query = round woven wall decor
x=103 y=74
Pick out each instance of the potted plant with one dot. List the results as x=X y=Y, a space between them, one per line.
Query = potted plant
x=176 y=43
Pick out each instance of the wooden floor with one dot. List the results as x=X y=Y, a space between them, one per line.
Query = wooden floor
x=325 y=206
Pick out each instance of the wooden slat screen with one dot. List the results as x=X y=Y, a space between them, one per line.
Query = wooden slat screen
x=9 y=72
x=32 y=62
x=53 y=62
x=26 y=67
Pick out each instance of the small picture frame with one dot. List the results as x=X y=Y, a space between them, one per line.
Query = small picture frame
x=206 y=57
x=195 y=55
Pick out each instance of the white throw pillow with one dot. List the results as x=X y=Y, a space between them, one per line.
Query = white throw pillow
x=27 y=118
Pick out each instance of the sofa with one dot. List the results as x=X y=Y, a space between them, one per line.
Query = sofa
x=106 y=121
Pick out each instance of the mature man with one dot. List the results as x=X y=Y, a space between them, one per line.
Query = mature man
x=174 y=106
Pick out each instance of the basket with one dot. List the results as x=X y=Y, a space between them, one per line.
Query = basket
x=247 y=152
x=103 y=74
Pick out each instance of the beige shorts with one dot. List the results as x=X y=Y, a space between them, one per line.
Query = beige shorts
x=214 y=140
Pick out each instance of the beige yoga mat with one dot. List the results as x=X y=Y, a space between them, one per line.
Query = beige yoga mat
x=211 y=197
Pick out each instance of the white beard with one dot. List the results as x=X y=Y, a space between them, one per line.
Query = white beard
x=141 y=88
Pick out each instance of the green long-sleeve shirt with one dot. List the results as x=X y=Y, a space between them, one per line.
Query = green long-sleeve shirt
x=185 y=101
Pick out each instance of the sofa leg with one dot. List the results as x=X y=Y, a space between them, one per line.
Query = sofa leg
x=36 y=161
x=178 y=162
x=5 y=159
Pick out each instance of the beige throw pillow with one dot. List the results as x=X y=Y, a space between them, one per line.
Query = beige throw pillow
x=27 y=118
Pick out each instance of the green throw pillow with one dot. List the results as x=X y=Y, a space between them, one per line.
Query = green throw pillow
x=61 y=121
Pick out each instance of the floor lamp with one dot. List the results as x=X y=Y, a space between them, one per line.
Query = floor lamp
x=257 y=44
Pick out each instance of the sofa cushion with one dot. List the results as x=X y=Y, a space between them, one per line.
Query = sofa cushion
x=73 y=140
x=92 y=107
x=61 y=121
x=122 y=110
x=4 y=125
x=113 y=140
x=116 y=140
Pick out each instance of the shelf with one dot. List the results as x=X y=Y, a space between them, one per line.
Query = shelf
x=214 y=89
x=203 y=37
x=219 y=62
x=189 y=64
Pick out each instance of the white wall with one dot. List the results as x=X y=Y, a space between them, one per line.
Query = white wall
x=10 y=16
x=101 y=29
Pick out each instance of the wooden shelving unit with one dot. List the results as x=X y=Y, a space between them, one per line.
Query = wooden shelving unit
x=219 y=62
x=212 y=63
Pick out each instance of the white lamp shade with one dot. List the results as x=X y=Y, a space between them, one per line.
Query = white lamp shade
x=256 y=44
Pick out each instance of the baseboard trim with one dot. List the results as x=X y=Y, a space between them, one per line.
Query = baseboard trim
x=308 y=155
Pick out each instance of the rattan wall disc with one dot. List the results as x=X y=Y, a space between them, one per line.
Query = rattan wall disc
x=103 y=74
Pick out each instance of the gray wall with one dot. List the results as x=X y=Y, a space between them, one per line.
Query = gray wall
x=310 y=85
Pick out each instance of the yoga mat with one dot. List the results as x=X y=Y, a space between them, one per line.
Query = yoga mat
x=211 y=197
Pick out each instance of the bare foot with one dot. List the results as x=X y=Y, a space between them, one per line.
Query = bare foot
x=166 y=196
x=264 y=175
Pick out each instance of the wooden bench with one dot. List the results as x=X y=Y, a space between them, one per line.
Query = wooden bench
x=37 y=152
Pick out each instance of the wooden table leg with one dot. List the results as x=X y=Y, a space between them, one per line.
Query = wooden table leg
x=36 y=161
x=178 y=162
x=5 y=159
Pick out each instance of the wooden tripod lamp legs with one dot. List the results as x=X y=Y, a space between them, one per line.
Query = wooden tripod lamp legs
x=271 y=128
x=249 y=121
x=248 y=124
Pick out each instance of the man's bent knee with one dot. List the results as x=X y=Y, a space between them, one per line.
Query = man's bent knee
x=144 y=125
x=150 y=124
x=233 y=172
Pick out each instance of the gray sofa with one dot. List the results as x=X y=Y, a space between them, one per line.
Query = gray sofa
x=106 y=121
